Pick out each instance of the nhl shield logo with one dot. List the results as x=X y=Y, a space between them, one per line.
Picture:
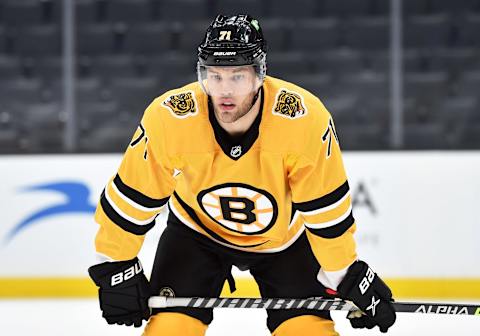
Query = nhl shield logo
x=236 y=151
x=182 y=105
x=289 y=104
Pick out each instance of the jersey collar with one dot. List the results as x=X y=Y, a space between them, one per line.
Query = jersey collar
x=235 y=148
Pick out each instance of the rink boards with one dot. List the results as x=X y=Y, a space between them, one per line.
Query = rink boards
x=416 y=214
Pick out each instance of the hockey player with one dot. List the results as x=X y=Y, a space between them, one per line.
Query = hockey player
x=251 y=169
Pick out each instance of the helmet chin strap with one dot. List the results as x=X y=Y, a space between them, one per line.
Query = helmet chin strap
x=254 y=99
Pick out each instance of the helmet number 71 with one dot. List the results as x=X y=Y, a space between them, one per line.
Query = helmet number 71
x=225 y=35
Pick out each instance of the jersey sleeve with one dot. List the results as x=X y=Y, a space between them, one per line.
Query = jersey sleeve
x=137 y=193
x=321 y=194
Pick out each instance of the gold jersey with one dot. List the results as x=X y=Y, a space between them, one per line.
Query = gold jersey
x=258 y=193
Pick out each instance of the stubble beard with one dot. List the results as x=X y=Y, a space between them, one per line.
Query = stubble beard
x=240 y=111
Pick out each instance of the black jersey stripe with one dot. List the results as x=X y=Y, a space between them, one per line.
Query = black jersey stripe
x=137 y=196
x=193 y=215
x=336 y=230
x=121 y=221
x=323 y=201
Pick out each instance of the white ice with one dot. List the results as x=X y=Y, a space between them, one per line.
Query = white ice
x=82 y=317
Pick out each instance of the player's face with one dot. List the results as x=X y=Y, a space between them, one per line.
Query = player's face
x=232 y=90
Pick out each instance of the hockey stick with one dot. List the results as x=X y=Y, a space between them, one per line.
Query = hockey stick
x=318 y=303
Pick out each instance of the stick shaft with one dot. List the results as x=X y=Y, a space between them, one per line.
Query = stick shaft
x=310 y=303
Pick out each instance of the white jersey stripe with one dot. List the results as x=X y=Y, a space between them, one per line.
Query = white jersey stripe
x=124 y=215
x=330 y=223
x=131 y=202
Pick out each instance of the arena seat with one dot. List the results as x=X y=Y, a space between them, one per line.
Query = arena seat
x=300 y=9
x=130 y=11
x=346 y=8
x=285 y=64
x=31 y=12
x=39 y=40
x=255 y=8
x=182 y=10
x=431 y=31
x=315 y=34
x=367 y=33
x=9 y=67
x=148 y=38
x=96 y=39
x=338 y=61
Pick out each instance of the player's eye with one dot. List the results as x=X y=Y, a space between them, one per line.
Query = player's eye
x=238 y=77
x=215 y=77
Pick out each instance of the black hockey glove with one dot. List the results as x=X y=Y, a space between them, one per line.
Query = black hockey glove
x=368 y=292
x=123 y=293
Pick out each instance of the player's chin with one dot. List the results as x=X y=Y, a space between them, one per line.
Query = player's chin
x=227 y=116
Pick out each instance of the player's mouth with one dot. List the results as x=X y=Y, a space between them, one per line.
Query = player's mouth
x=227 y=106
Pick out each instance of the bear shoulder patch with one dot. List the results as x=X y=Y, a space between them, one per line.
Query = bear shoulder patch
x=182 y=105
x=289 y=104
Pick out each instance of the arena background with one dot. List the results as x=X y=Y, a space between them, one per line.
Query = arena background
x=401 y=79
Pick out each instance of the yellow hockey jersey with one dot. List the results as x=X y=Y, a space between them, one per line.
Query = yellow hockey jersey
x=258 y=193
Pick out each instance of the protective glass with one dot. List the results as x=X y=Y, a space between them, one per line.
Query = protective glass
x=228 y=81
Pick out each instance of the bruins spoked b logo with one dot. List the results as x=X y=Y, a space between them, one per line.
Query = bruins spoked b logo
x=181 y=105
x=289 y=104
x=239 y=207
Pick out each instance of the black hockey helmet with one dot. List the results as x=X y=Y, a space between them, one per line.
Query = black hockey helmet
x=234 y=41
